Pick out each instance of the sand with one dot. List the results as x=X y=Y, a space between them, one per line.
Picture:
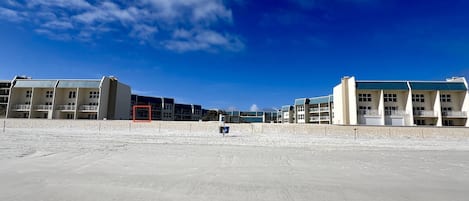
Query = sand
x=78 y=165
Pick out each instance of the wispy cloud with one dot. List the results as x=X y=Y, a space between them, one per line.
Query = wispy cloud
x=152 y=21
x=254 y=108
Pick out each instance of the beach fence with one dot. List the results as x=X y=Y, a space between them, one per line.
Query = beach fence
x=195 y=127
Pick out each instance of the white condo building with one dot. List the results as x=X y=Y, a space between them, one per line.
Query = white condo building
x=401 y=103
x=104 y=98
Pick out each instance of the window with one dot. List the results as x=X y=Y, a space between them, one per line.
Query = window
x=445 y=97
x=418 y=98
x=167 y=106
x=94 y=94
x=364 y=97
x=448 y=122
x=418 y=110
x=419 y=122
x=28 y=94
x=71 y=103
x=72 y=94
x=167 y=115
x=301 y=116
x=49 y=94
x=390 y=110
x=446 y=110
x=363 y=109
x=48 y=103
x=390 y=97
x=92 y=116
x=27 y=103
x=301 y=108
x=69 y=116
x=93 y=103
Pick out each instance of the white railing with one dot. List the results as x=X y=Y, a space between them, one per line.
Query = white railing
x=315 y=118
x=89 y=107
x=425 y=113
x=66 y=107
x=454 y=113
x=42 y=107
x=22 y=107
x=394 y=113
x=324 y=108
x=325 y=118
x=313 y=109
x=368 y=112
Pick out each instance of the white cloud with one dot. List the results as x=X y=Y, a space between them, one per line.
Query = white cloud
x=254 y=108
x=193 y=40
x=153 y=21
x=11 y=15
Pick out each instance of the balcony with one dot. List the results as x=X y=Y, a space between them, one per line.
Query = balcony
x=66 y=107
x=394 y=113
x=42 y=107
x=4 y=93
x=368 y=113
x=314 y=109
x=88 y=108
x=455 y=114
x=424 y=113
x=314 y=118
x=324 y=118
x=324 y=109
x=21 y=107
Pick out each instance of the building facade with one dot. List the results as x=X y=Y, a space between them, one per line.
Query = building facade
x=105 y=98
x=401 y=103
x=5 y=86
x=317 y=110
x=165 y=109
x=251 y=117
x=287 y=114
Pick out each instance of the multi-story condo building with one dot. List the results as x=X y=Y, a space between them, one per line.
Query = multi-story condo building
x=104 y=98
x=251 y=117
x=401 y=103
x=187 y=112
x=161 y=108
x=4 y=93
x=317 y=110
x=288 y=114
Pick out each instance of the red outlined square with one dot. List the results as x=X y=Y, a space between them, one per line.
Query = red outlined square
x=134 y=112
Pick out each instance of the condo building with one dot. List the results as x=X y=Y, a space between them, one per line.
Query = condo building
x=251 y=117
x=5 y=86
x=287 y=114
x=165 y=109
x=401 y=103
x=317 y=110
x=104 y=98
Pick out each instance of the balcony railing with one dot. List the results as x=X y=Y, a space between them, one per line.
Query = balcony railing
x=3 y=93
x=88 y=107
x=324 y=118
x=314 y=118
x=368 y=112
x=313 y=109
x=21 y=107
x=425 y=113
x=324 y=109
x=454 y=114
x=66 y=107
x=394 y=113
x=42 y=107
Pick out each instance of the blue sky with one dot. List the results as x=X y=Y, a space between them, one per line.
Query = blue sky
x=234 y=53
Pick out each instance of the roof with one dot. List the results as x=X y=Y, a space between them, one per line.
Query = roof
x=382 y=85
x=449 y=86
x=79 y=84
x=301 y=101
x=322 y=99
x=35 y=83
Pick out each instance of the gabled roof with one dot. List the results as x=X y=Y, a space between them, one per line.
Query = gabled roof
x=79 y=84
x=35 y=83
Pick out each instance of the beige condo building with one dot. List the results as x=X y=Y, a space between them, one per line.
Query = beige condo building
x=104 y=98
